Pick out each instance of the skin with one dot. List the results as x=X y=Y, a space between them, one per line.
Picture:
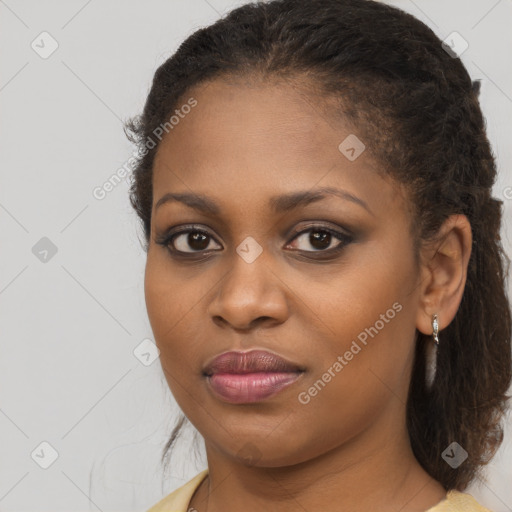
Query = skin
x=348 y=448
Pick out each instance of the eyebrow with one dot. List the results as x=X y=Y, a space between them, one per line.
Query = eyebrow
x=279 y=204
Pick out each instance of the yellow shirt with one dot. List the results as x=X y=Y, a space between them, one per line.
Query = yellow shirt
x=178 y=500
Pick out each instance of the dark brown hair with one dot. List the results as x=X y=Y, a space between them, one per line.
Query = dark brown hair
x=417 y=109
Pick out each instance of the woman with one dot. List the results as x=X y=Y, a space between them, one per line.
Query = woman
x=324 y=277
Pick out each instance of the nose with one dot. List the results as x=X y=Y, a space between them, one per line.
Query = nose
x=249 y=294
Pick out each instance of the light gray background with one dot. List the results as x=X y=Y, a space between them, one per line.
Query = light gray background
x=69 y=326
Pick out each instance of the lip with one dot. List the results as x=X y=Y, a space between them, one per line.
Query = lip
x=250 y=362
x=248 y=377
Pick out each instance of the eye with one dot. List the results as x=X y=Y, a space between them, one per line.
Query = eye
x=321 y=239
x=192 y=240
x=189 y=241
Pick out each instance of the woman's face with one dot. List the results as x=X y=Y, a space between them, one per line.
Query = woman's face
x=342 y=307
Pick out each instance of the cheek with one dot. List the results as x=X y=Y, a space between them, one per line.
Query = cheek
x=167 y=307
x=167 y=313
x=363 y=372
x=173 y=303
x=368 y=321
x=169 y=297
x=159 y=295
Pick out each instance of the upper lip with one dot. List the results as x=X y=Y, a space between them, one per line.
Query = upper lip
x=249 y=362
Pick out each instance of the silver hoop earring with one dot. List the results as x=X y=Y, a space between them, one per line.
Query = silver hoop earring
x=435 y=329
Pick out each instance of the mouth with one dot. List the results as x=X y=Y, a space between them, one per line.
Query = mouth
x=248 y=377
x=253 y=361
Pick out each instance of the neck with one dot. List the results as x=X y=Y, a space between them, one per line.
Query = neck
x=356 y=476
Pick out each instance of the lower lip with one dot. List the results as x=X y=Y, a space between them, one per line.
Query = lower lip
x=250 y=387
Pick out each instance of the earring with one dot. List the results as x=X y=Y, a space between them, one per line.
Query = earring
x=435 y=329
x=431 y=354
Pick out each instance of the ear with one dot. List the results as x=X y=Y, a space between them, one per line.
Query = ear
x=443 y=273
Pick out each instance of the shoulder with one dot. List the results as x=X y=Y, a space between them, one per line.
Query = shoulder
x=457 y=501
x=178 y=500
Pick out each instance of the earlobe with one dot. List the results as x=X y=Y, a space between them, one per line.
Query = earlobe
x=444 y=272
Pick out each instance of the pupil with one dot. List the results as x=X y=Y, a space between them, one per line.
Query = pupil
x=197 y=241
x=320 y=239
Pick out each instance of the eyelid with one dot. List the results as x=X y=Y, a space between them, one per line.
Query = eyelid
x=328 y=226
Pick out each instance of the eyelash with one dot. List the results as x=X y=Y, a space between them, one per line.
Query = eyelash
x=167 y=238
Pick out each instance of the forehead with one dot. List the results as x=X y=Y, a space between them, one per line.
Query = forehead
x=247 y=140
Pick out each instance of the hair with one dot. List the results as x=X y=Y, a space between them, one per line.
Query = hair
x=417 y=110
